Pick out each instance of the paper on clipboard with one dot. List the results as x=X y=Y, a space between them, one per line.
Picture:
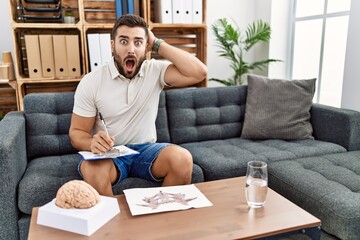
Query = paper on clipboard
x=117 y=151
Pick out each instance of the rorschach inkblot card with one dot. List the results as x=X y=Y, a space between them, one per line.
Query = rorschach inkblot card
x=164 y=199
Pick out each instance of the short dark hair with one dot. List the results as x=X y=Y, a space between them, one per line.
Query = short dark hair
x=130 y=20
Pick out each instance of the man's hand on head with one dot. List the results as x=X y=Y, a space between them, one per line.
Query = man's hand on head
x=151 y=41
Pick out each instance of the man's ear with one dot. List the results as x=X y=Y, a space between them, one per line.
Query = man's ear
x=112 y=45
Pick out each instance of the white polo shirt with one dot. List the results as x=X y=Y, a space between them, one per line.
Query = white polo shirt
x=129 y=107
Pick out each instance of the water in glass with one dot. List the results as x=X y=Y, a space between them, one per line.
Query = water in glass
x=256 y=184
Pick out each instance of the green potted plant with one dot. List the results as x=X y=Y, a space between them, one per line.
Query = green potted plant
x=69 y=18
x=234 y=46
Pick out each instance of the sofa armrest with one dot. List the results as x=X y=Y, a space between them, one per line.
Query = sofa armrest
x=13 y=162
x=336 y=125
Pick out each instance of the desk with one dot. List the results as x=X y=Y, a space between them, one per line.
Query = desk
x=228 y=218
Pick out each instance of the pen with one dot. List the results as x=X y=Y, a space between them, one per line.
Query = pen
x=104 y=125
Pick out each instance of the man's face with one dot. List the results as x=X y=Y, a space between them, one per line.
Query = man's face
x=129 y=49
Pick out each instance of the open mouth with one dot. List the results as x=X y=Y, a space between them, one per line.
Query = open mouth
x=130 y=64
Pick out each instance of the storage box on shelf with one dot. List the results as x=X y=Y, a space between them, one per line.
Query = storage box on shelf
x=99 y=11
x=93 y=16
x=57 y=38
x=33 y=27
x=8 y=93
x=30 y=71
x=8 y=96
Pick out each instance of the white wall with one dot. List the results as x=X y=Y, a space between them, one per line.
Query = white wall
x=280 y=39
x=6 y=42
x=261 y=50
x=243 y=13
x=351 y=84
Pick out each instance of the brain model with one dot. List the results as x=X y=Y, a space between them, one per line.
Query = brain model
x=77 y=194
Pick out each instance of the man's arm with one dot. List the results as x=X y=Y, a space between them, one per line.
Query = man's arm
x=185 y=70
x=81 y=138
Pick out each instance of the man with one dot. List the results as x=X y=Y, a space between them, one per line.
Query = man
x=126 y=93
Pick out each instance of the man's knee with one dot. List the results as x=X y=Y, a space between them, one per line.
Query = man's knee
x=181 y=162
x=187 y=159
x=173 y=161
x=96 y=169
x=182 y=166
x=180 y=157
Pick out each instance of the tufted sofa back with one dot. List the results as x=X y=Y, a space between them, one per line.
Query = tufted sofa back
x=200 y=114
x=184 y=115
x=48 y=117
x=47 y=123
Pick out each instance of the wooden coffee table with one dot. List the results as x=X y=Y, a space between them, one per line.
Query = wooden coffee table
x=228 y=218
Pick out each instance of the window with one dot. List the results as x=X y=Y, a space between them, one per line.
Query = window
x=319 y=46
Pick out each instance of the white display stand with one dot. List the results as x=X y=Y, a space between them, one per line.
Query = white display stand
x=81 y=221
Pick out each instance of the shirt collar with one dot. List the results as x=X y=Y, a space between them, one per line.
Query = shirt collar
x=115 y=73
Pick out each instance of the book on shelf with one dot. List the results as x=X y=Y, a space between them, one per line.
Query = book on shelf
x=130 y=5
x=123 y=7
x=118 y=8
x=73 y=55
x=163 y=11
x=197 y=11
x=60 y=55
x=178 y=11
x=32 y=46
x=47 y=55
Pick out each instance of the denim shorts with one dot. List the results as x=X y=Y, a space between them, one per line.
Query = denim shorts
x=138 y=165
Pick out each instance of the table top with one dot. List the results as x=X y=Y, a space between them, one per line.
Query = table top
x=228 y=218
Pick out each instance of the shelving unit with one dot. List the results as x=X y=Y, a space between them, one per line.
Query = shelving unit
x=8 y=96
x=94 y=17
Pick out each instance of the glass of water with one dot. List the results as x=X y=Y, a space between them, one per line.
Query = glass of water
x=256 y=184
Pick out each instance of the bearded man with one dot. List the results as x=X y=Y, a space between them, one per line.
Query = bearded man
x=126 y=94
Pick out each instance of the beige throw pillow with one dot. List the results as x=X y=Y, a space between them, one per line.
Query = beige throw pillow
x=278 y=109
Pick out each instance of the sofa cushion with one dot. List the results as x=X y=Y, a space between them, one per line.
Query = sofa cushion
x=48 y=118
x=45 y=175
x=199 y=114
x=278 y=109
x=221 y=159
x=326 y=186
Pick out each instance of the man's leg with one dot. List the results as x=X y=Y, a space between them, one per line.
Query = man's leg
x=174 y=164
x=100 y=174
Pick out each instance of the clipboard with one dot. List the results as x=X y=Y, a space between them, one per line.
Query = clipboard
x=117 y=151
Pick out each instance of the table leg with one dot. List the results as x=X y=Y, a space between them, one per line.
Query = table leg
x=311 y=233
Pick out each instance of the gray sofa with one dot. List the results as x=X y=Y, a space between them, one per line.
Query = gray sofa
x=321 y=175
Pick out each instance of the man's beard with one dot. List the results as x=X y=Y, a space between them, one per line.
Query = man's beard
x=119 y=64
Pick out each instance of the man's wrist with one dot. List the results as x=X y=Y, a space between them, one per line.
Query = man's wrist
x=156 y=45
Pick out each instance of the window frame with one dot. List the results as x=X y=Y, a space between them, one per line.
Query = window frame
x=324 y=16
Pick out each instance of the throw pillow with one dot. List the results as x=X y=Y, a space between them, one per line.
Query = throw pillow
x=278 y=109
